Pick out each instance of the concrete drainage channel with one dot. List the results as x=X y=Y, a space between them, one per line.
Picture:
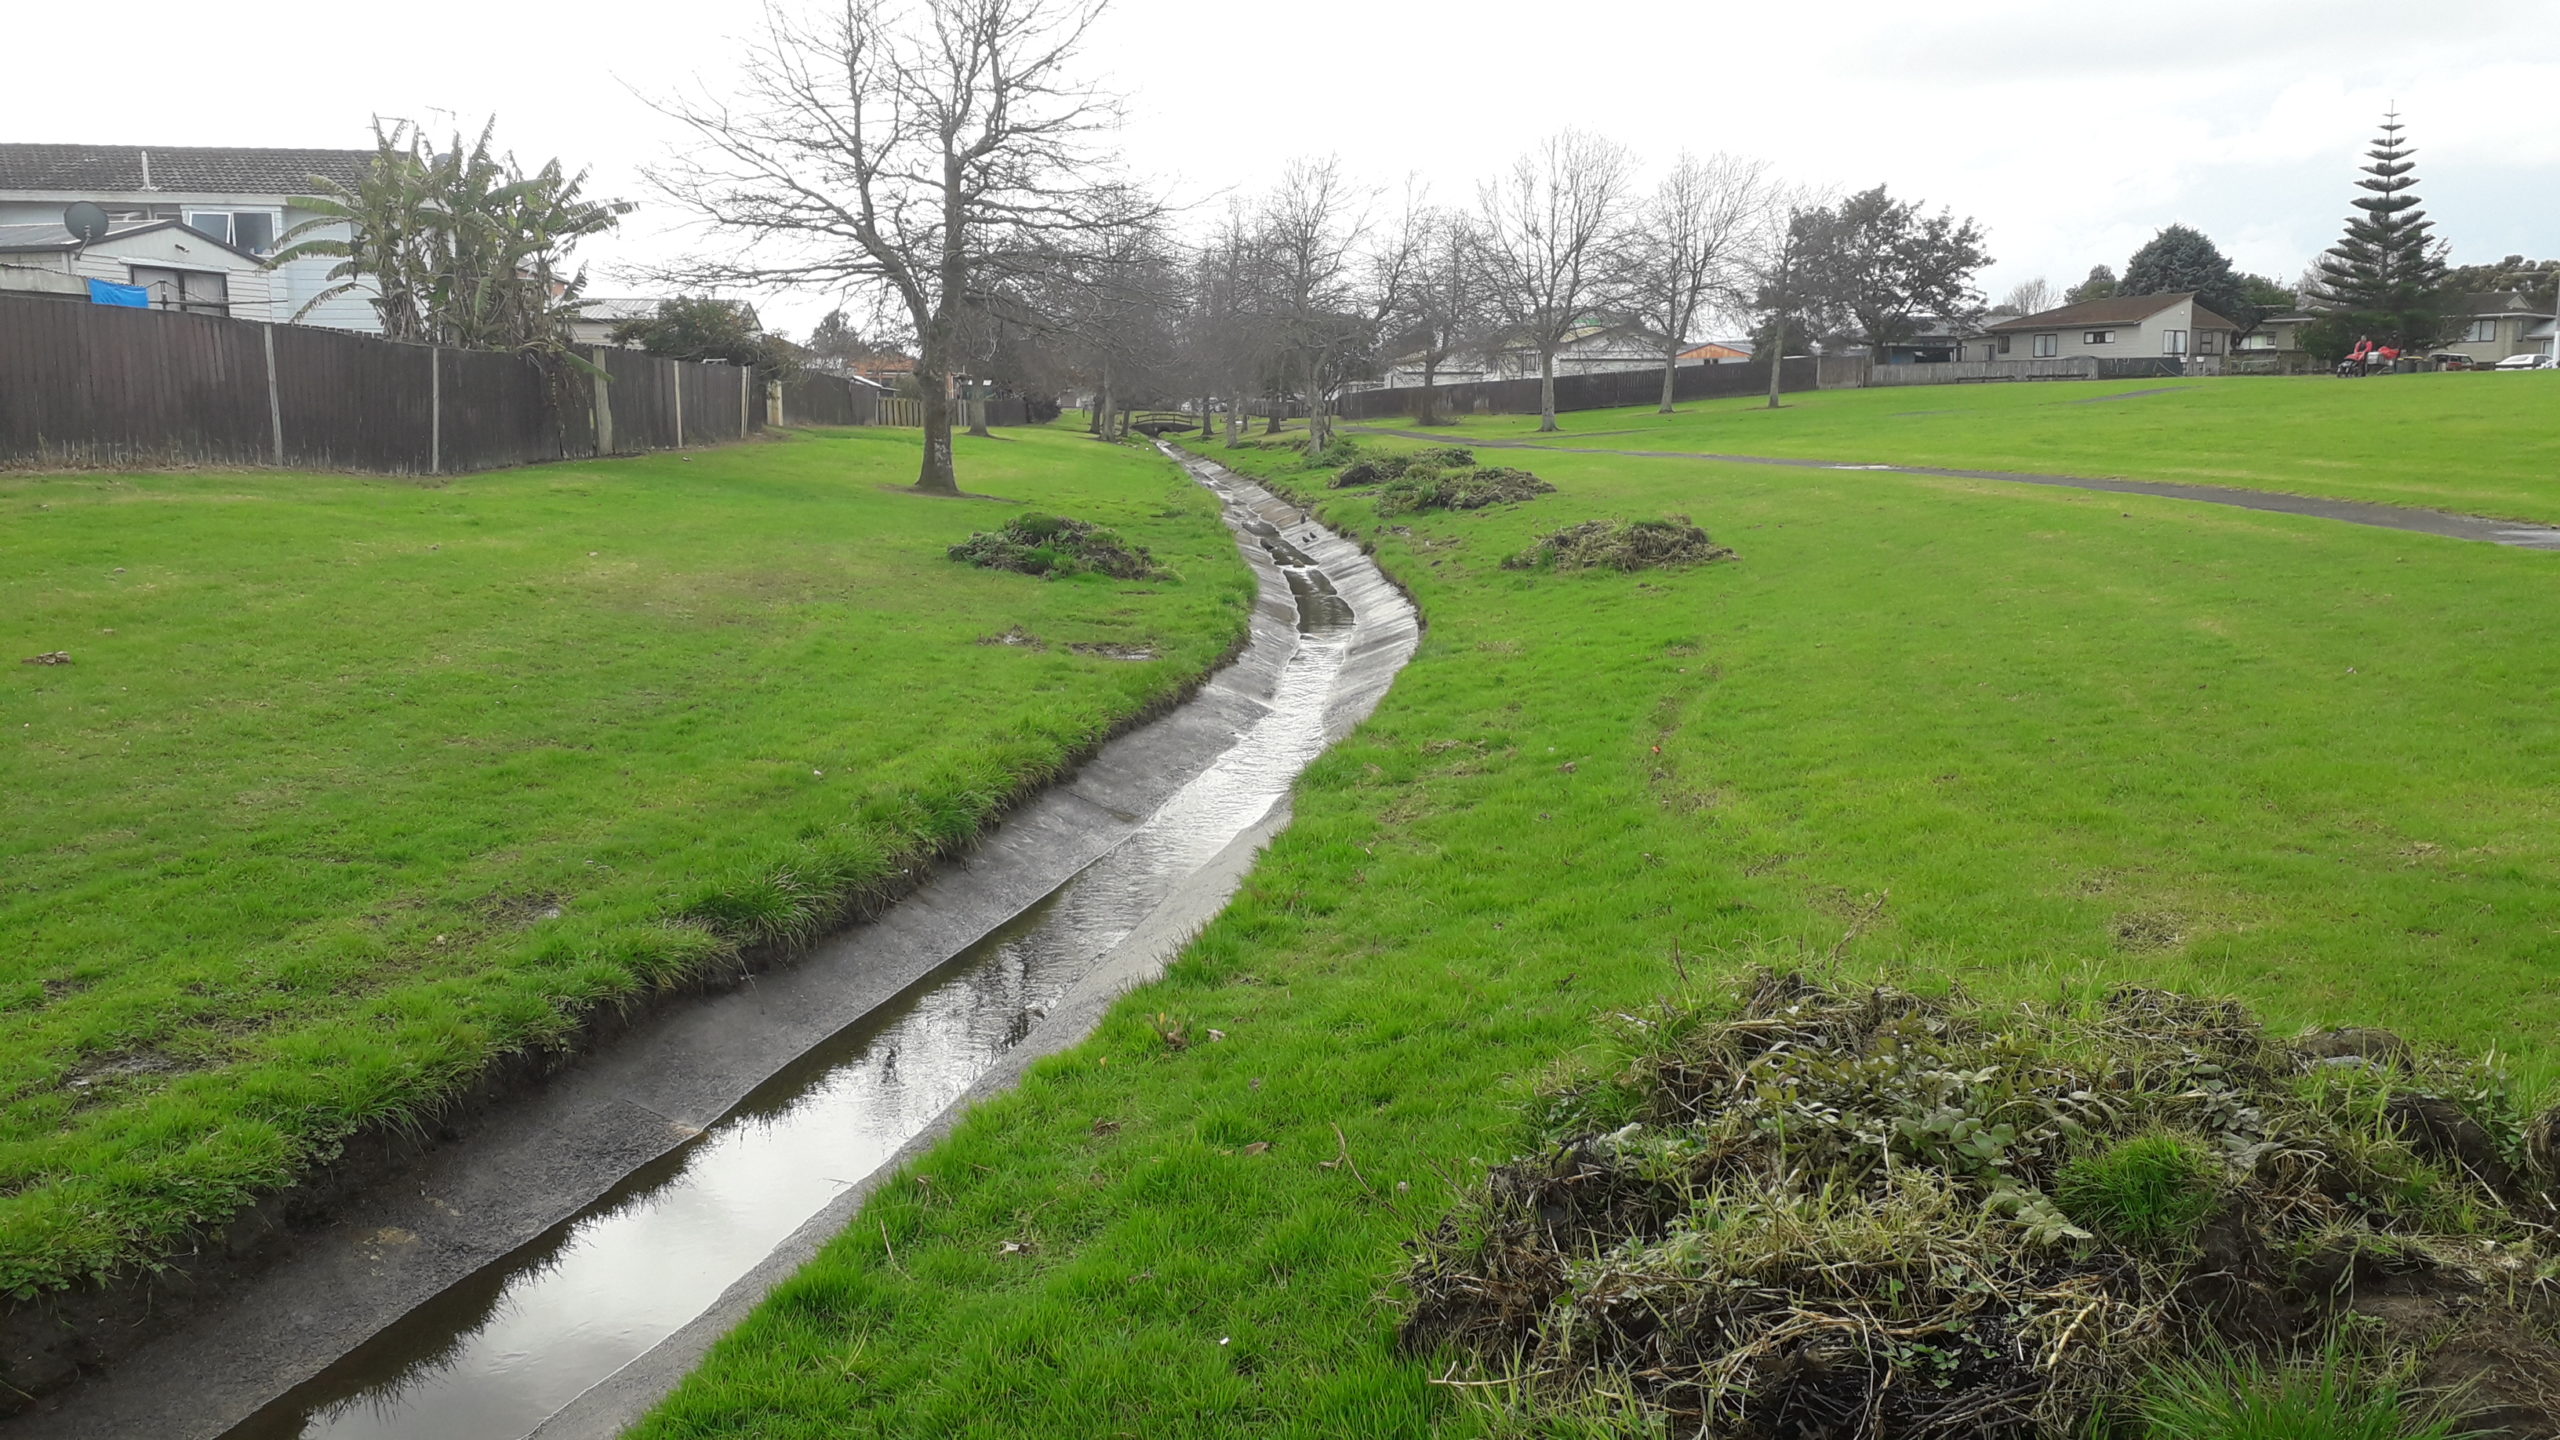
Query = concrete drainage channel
x=561 y=1269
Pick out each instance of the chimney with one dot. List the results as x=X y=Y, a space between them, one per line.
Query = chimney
x=146 y=172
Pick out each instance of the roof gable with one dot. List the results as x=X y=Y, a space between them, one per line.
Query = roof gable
x=178 y=169
x=24 y=238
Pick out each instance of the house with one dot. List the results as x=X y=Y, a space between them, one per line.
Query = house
x=2121 y=327
x=240 y=199
x=1590 y=349
x=1717 y=352
x=598 y=316
x=176 y=265
x=2489 y=328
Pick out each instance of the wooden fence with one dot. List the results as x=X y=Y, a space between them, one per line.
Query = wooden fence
x=1602 y=391
x=101 y=385
x=815 y=397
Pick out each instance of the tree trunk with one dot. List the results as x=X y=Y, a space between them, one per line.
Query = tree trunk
x=1428 y=411
x=1235 y=418
x=1319 y=421
x=978 y=419
x=1102 y=406
x=937 y=476
x=1271 y=422
x=1546 y=391
x=1208 y=418
x=1777 y=355
x=1670 y=372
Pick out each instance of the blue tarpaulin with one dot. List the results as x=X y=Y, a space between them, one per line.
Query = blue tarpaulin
x=108 y=292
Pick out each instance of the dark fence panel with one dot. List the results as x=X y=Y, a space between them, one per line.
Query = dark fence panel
x=2148 y=368
x=1603 y=391
x=818 y=399
x=354 y=402
x=103 y=385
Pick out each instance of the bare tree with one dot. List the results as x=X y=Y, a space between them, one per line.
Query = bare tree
x=1329 y=283
x=1689 y=252
x=1544 y=221
x=928 y=148
x=2029 y=297
x=1784 y=235
x=1445 y=309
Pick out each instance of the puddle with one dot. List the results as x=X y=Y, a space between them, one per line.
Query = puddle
x=502 y=1351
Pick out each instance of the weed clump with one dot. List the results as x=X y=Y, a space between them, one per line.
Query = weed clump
x=1621 y=545
x=1054 y=546
x=1379 y=469
x=1800 y=1210
x=1424 y=487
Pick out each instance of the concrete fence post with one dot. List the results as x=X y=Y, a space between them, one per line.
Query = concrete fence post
x=275 y=406
x=675 y=380
x=604 y=404
x=744 y=375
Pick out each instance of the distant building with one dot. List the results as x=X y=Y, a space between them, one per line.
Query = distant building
x=2489 y=328
x=1717 y=352
x=598 y=316
x=2122 y=327
x=176 y=266
x=239 y=198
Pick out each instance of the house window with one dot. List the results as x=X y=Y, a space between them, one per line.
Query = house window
x=2048 y=346
x=2097 y=337
x=2004 y=344
x=2173 y=342
x=2208 y=341
x=193 y=291
x=2260 y=340
x=250 y=230
x=2482 y=330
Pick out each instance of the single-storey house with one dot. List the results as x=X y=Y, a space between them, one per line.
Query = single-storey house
x=177 y=266
x=2122 y=327
x=240 y=198
x=2489 y=328
x=1717 y=352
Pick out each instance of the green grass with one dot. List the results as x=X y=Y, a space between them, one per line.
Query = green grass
x=2485 y=444
x=2322 y=1397
x=356 y=784
x=2145 y=1190
x=1939 y=729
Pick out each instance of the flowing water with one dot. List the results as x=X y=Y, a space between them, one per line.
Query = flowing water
x=503 y=1351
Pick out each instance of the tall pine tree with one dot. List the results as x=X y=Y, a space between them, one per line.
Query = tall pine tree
x=2386 y=278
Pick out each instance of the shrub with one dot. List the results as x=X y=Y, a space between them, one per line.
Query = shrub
x=2148 y=1191
x=1621 y=545
x=1053 y=546
x=1446 y=457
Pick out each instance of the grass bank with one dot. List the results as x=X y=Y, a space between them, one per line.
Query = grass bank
x=2483 y=444
x=353 y=785
x=1940 y=729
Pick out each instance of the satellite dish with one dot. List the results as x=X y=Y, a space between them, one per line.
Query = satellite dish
x=86 y=222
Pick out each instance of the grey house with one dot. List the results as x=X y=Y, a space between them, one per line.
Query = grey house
x=2124 y=327
x=240 y=198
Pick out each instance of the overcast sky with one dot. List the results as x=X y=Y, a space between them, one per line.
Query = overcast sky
x=2071 y=128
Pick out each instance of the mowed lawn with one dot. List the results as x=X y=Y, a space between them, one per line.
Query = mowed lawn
x=2027 y=741
x=354 y=784
x=2483 y=444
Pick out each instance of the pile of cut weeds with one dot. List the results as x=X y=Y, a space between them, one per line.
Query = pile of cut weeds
x=1621 y=545
x=1425 y=487
x=1052 y=546
x=1806 y=1211
x=1379 y=469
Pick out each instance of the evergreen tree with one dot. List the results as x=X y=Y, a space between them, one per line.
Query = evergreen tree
x=2180 y=259
x=2386 y=278
x=2101 y=285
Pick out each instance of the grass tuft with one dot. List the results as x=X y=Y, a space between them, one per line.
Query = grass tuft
x=2145 y=1191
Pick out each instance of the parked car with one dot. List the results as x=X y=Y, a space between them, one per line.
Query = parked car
x=2525 y=362
x=2452 y=360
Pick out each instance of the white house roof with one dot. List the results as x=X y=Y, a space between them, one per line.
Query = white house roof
x=180 y=169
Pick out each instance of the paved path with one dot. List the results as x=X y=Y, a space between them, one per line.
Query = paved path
x=2519 y=533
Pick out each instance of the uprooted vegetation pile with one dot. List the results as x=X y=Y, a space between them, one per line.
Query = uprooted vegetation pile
x=1438 y=477
x=1379 y=469
x=1054 y=546
x=1621 y=545
x=1802 y=1211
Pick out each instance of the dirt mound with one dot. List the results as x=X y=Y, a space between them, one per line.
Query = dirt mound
x=1052 y=546
x=1423 y=487
x=1621 y=545
x=1799 y=1211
